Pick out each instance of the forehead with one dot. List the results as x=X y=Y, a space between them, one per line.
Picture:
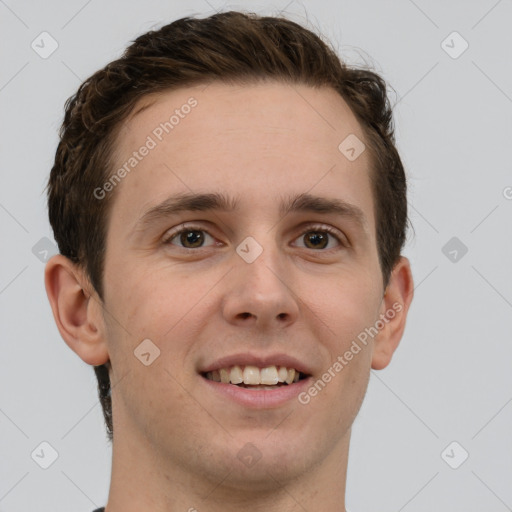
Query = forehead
x=257 y=142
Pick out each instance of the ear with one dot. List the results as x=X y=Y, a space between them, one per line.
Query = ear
x=76 y=309
x=393 y=313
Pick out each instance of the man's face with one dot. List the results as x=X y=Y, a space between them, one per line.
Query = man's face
x=208 y=300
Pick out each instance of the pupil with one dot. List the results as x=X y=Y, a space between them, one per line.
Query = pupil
x=316 y=238
x=191 y=237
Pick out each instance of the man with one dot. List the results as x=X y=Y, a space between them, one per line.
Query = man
x=230 y=211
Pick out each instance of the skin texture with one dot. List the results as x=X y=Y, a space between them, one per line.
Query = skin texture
x=175 y=440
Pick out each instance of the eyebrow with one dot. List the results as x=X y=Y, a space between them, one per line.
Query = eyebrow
x=186 y=202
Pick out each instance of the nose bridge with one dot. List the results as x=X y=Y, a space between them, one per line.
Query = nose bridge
x=262 y=257
x=262 y=254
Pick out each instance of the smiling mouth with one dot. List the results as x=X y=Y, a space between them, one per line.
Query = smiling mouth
x=252 y=377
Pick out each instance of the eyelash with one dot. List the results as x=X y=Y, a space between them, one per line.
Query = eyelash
x=318 y=228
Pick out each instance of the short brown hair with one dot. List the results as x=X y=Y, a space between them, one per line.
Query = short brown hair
x=230 y=47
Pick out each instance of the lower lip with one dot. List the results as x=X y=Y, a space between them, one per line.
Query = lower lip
x=259 y=398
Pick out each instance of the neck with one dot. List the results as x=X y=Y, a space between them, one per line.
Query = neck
x=143 y=479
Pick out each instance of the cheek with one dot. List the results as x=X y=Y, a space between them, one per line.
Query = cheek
x=146 y=306
x=150 y=301
x=170 y=310
x=355 y=310
x=348 y=305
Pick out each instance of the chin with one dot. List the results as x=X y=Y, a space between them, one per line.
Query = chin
x=266 y=460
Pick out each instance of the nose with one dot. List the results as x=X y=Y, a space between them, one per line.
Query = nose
x=260 y=293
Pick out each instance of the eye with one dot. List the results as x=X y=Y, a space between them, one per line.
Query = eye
x=317 y=237
x=190 y=237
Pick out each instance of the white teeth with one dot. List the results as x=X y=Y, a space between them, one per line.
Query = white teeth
x=236 y=376
x=291 y=376
x=251 y=375
x=268 y=375
x=254 y=376
x=282 y=373
x=224 y=375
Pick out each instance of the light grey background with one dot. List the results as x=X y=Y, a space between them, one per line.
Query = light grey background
x=450 y=379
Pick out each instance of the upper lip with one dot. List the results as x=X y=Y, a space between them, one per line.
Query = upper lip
x=261 y=361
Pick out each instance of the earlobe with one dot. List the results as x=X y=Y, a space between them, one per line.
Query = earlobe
x=76 y=310
x=395 y=306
